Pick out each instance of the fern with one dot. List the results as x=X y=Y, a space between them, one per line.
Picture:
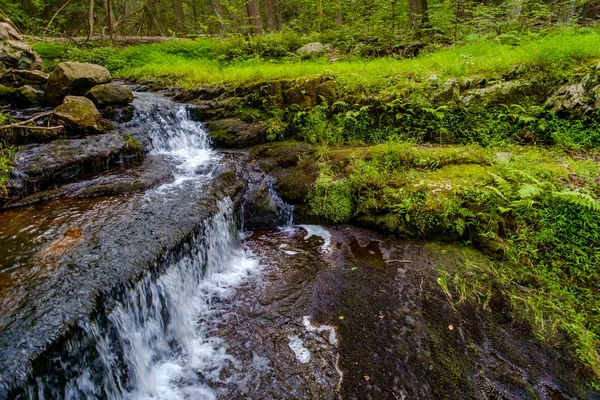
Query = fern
x=579 y=199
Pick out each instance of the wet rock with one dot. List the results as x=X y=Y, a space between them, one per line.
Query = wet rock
x=129 y=179
x=235 y=133
x=18 y=55
x=260 y=209
x=73 y=78
x=119 y=114
x=79 y=114
x=7 y=94
x=28 y=96
x=110 y=94
x=41 y=166
x=569 y=99
x=311 y=49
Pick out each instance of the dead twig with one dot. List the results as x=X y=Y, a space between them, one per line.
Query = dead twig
x=23 y=124
x=398 y=261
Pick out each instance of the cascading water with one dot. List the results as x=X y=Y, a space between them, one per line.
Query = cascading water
x=153 y=342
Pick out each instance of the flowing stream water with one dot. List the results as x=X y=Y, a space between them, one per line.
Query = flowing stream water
x=160 y=296
x=154 y=343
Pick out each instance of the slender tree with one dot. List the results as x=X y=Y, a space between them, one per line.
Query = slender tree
x=417 y=11
x=91 y=19
x=253 y=12
x=179 y=16
x=109 y=17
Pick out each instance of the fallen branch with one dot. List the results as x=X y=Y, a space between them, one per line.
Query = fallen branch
x=398 y=261
x=23 y=124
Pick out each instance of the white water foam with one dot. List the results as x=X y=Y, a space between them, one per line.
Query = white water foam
x=319 y=231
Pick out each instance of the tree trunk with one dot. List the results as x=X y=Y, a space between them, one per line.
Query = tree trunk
x=417 y=11
x=254 y=16
x=109 y=18
x=91 y=19
x=218 y=8
x=272 y=16
x=179 y=16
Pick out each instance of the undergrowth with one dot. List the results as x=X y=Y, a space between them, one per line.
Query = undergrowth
x=536 y=211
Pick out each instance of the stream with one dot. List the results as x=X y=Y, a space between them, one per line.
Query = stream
x=164 y=295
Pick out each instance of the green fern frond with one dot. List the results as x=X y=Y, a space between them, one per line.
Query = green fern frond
x=529 y=190
x=579 y=199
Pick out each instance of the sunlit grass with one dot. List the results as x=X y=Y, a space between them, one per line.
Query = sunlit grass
x=208 y=61
x=480 y=58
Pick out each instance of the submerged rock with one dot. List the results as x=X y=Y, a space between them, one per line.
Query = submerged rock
x=79 y=114
x=109 y=94
x=73 y=78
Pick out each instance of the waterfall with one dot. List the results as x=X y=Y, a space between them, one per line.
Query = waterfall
x=152 y=342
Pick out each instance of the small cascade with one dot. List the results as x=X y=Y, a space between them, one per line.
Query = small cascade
x=154 y=344
x=152 y=340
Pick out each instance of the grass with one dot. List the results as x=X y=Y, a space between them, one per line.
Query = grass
x=538 y=210
x=213 y=61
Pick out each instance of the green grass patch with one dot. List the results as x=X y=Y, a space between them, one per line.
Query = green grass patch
x=211 y=61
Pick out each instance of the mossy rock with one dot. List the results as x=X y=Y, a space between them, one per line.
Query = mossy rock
x=235 y=133
x=110 y=94
x=79 y=114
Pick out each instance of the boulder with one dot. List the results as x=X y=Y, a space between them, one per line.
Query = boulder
x=311 y=49
x=501 y=93
x=110 y=94
x=79 y=113
x=235 y=133
x=569 y=99
x=260 y=208
x=9 y=32
x=7 y=94
x=27 y=96
x=28 y=77
x=14 y=54
x=73 y=78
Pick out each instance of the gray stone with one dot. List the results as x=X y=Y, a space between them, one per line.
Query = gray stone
x=73 y=78
x=450 y=91
x=110 y=94
x=14 y=54
x=9 y=32
x=311 y=49
x=503 y=157
x=571 y=99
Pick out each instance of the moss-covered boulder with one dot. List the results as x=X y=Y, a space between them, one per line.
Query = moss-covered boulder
x=7 y=94
x=235 y=133
x=110 y=94
x=73 y=78
x=79 y=114
x=512 y=92
x=28 y=96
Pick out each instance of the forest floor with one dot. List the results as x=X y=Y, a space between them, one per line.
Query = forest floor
x=482 y=142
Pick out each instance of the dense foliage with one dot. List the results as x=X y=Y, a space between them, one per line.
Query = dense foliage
x=376 y=19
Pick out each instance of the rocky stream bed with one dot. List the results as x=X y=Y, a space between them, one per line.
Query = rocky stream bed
x=183 y=276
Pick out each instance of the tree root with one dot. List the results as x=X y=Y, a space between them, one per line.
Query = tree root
x=23 y=124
